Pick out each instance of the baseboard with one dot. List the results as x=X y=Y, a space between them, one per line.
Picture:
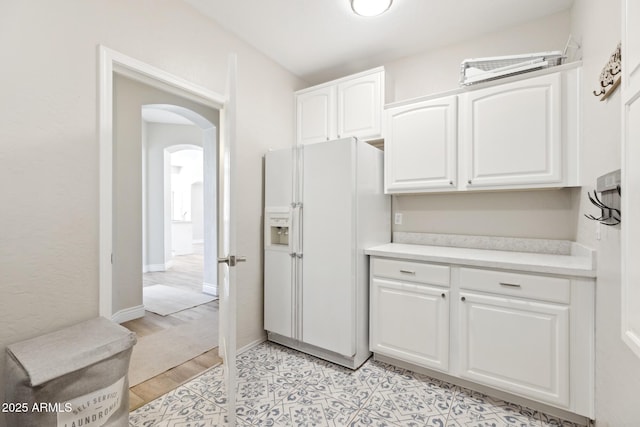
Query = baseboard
x=152 y=268
x=128 y=314
x=210 y=289
x=251 y=345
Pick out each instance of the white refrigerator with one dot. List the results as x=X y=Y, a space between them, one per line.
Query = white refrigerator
x=324 y=204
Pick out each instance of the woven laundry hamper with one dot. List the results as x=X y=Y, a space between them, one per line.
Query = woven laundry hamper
x=73 y=377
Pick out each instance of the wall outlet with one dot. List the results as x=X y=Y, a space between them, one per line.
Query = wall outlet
x=398 y=219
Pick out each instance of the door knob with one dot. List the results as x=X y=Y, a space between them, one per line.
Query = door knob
x=232 y=260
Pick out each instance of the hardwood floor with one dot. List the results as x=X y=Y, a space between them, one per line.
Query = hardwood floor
x=155 y=387
x=186 y=273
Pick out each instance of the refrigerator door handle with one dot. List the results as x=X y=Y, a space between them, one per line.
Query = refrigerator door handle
x=293 y=232
x=299 y=249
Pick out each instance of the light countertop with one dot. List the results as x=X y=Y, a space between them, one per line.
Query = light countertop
x=580 y=263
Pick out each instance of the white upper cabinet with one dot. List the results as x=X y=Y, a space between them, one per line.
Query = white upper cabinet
x=517 y=134
x=351 y=106
x=512 y=133
x=360 y=106
x=316 y=119
x=420 y=146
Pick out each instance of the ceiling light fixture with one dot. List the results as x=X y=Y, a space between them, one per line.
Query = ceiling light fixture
x=370 y=7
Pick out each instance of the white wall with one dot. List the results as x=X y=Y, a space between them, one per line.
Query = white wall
x=49 y=146
x=197 y=211
x=439 y=70
x=533 y=214
x=617 y=368
x=545 y=214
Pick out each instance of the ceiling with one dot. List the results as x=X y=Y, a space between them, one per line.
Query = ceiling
x=318 y=40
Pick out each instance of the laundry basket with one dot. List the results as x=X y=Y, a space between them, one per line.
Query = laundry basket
x=476 y=70
x=73 y=377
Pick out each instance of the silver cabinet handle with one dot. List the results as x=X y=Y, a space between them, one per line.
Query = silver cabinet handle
x=463 y=299
x=510 y=285
x=450 y=182
x=408 y=272
x=443 y=295
x=469 y=182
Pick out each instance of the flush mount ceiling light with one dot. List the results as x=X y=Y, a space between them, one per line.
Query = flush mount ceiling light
x=370 y=7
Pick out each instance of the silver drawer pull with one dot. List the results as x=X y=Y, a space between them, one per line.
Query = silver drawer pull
x=511 y=285
x=408 y=272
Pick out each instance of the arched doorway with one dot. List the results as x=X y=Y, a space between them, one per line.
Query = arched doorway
x=169 y=216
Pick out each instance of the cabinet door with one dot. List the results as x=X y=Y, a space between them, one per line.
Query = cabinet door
x=410 y=322
x=515 y=345
x=360 y=102
x=316 y=115
x=420 y=146
x=512 y=133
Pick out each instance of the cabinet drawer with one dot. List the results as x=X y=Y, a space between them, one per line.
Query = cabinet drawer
x=543 y=288
x=411 y=271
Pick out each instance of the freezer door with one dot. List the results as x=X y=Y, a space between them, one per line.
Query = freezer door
x=278 y=178
x=278 y=263
x=278 y=293
x=328 y=246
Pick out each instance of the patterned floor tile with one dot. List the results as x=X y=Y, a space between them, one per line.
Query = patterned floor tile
x=180 y=407
x=517 y=414
x=210 y=386
x=471 y=404
x=486 y=420
x=277 y=359
x=278 y=386
x=353 y=387
x=306 y=406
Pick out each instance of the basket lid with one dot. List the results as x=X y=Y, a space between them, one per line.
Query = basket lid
x=53 y=355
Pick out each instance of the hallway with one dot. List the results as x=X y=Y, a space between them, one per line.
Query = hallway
x=185 y=336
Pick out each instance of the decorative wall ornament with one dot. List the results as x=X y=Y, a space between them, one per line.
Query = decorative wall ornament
x=609 y=77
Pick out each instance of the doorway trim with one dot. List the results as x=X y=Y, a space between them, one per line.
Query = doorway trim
x=110 y=62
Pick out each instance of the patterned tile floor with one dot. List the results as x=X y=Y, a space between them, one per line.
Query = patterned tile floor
x=278 y=386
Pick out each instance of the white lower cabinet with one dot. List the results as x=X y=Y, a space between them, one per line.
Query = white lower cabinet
x=530 y=335
x=410 y=321
x=520 y=346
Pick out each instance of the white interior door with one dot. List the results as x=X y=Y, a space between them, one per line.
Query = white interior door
x=227 y=241
x=630 y=228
